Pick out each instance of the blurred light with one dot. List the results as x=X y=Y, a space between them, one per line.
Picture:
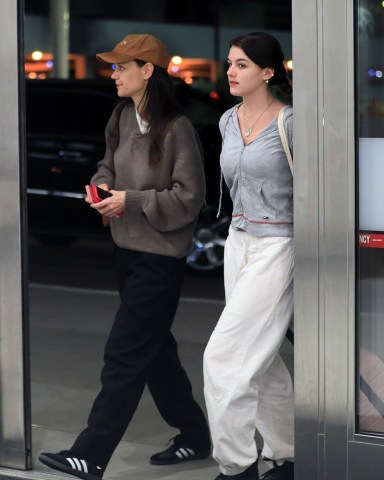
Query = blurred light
x=289 y=64
x=379 y=73
x=49 y=64
x=188 y=80
x=114 y=66
x=214 y=95
x=176 y=60
x=371 y=72
x=37 y=55
x=382 y=4
x=175 y=69
x=32 y=75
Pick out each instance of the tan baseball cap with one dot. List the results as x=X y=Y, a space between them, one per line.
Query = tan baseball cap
x=140 y=47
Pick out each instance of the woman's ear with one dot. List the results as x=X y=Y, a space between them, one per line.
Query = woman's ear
x=148 y=70
x=268 y=73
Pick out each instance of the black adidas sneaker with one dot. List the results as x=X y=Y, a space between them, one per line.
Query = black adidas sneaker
x=67 y=462
x=179 y=452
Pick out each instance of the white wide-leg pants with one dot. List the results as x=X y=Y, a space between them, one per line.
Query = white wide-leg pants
x=246 y=384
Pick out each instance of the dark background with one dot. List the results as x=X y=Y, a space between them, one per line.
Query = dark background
x=276 y=14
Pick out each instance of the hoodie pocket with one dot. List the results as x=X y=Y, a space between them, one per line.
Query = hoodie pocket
x=256 y=203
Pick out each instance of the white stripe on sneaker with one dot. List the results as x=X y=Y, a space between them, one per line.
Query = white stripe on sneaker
x=78 y=464
x=179 y=454
x=69 y=459
x=85 y=466
x=184 y=453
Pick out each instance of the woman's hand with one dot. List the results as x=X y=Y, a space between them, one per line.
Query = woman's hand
x=112 y=206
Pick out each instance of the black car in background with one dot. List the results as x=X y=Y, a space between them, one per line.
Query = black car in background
x=65 y=124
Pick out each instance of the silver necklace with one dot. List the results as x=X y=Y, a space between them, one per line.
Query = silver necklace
x=248 y=130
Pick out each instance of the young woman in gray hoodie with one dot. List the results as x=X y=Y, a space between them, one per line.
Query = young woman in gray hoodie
x=247 y=385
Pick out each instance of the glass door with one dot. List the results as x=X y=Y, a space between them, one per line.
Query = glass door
x=370 y=254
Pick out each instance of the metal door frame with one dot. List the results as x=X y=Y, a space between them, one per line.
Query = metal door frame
x=327 y=444
x=15 y=417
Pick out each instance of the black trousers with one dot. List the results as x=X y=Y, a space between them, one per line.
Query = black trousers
x=140 y=351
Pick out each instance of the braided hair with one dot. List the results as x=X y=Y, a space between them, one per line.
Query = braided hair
x=265 y=50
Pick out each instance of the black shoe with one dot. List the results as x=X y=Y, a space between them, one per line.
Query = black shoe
x=251 y=473
x=68 y=462
x=179 y=452
x=282 y=472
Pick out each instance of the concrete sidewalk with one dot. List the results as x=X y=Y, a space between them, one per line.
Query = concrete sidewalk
x=68 y=331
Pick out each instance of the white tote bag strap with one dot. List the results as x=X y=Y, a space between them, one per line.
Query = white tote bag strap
x=283 y=135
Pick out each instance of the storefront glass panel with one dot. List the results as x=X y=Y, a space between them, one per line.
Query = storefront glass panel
x=370 y=254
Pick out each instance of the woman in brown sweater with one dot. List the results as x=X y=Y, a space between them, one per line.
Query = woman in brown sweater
x=153 y=170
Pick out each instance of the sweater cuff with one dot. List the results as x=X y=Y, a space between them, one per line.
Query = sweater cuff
x=136 y=199
x=99 y=179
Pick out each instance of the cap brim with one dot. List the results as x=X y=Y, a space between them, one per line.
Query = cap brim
x=113 y=57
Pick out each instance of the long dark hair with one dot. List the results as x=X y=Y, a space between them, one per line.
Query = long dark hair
x=159 y=106
x=265 y=50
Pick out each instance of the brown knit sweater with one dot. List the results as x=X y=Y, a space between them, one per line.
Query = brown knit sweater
x=162 y=201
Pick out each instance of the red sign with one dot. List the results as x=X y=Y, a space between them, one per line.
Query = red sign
x=371 y=240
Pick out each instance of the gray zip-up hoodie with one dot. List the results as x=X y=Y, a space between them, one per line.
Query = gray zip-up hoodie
x=258 y=177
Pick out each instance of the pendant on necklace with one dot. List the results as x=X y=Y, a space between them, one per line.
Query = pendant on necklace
x=247 y=132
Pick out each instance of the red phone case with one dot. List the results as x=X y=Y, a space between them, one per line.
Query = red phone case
x=93 y=194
